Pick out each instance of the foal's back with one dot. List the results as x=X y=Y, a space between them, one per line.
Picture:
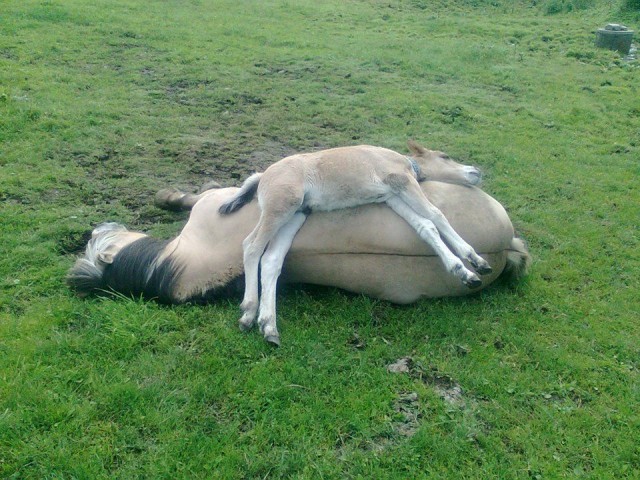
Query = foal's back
x=339 y=177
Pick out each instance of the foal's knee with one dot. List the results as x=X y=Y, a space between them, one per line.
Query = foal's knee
x=427 y=229
x=437 y=217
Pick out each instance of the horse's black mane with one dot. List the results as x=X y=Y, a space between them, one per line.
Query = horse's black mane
x=129 y=275
x=232 y=289
x=135 y=271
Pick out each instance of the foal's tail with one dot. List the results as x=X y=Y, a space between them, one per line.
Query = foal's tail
x=245 y=195
x=518 y=260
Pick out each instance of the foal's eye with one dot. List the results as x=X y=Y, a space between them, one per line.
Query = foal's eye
x=445 y=157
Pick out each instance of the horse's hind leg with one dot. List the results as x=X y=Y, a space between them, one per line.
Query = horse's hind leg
x=429 y=233
x=270 y=268
x=252 y=251
x=416 y=199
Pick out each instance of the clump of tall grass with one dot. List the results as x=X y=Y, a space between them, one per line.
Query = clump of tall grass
x=631 y=5
x=551 y=7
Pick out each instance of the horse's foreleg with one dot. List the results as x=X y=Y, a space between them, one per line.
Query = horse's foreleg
x=426 y=229
x=416 y=199
x=460 y=247
x=271 y=266
x=175 y=200
x=210 y=185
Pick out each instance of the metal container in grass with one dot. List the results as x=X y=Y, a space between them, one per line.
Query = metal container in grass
x=615 y=37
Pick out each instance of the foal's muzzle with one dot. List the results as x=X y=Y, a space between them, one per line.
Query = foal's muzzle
x=473 y=175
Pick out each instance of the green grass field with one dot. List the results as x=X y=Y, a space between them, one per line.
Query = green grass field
x=103 y=103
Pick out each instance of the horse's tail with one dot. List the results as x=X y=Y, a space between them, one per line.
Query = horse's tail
x=245 y=194
x=518 y=260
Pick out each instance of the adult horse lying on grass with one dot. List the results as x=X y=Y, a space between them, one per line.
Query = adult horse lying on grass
x=367 y=249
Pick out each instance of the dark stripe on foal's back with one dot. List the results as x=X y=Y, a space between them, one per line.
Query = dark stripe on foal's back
x=129 y=272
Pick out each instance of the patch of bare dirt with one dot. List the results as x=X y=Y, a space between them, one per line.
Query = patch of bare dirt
x=73 y=243
x=446 y=387
x=226 y=163
x=116 y=178
x=407 y=408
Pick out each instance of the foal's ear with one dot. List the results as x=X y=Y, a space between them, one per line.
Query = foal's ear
x=415 y=148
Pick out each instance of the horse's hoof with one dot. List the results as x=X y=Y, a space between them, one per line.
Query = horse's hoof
x=480 y=265
x=473 y=282
x=211 y=185
x=273 y=340
x=168 y=199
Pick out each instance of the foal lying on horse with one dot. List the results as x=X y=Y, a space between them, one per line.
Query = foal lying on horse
x=331 y=180
x=367 y=249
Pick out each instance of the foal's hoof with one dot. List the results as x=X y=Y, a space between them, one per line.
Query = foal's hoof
x=480 y=265
x=473 y=282
x=484 y=269
x=273 y=340
x=244 y=326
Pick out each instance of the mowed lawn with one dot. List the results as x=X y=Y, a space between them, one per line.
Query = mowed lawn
x=102 y=103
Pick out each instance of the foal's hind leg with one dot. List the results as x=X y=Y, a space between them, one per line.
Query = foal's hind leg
x=416 y=199
x=278 y=208
x=270 y=268
x=429 y=233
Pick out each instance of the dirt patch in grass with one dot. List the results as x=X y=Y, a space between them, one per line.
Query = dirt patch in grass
x=73 y=243
x=227 y=163
x=407 y=409
x=112 y=183
x=445 y=387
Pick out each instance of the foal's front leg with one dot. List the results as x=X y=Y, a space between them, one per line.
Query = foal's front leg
x=429 y=233
x=271 y=266
x=416 y=199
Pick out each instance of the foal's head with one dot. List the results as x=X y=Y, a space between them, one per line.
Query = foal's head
x=440 y=167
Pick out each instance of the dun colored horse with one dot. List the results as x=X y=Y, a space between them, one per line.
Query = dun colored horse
x=367 y=249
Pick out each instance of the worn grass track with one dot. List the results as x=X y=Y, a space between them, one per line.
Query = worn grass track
x=102 y=103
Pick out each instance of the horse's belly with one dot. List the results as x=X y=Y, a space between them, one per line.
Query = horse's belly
x=396 y=278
